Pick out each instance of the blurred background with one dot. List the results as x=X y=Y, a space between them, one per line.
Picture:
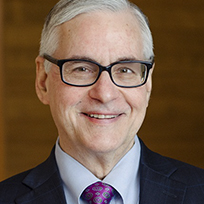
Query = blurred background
x=174 y=124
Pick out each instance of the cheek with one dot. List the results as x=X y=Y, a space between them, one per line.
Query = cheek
x=138 y=99
x=61 y=94
x=62 y=106
x=139 y=106
x=64 y=98
x=65 y=103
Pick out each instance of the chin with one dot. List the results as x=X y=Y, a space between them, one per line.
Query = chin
x=105 y=146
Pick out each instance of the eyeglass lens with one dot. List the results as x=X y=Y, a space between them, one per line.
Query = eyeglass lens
x=84 y=73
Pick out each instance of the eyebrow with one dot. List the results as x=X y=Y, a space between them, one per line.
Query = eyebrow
x=82 y=58
x=127 y=59
x=93 y=60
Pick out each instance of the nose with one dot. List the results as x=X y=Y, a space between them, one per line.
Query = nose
x=104 y=90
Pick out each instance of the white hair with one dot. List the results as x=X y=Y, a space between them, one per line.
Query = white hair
x=66 y=10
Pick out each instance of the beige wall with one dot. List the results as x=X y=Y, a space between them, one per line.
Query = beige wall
x=174 y=123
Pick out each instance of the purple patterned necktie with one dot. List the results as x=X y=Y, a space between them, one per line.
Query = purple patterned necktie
x=98 y=193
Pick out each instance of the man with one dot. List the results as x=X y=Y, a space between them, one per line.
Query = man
x=95 y=72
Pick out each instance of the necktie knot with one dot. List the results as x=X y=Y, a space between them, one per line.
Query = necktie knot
x=98 y=193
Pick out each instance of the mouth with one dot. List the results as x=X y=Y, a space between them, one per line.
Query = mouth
x=101 y=116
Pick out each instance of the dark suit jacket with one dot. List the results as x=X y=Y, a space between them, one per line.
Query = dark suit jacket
x=163 y=181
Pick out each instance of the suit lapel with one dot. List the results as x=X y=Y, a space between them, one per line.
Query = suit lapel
x=45 y=184
x=156 y=185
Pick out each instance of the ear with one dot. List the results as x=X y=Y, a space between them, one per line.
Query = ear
x=149 y=80
x=41 y=81
x=149 y=83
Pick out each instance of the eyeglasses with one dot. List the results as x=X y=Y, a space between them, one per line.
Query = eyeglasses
x=82 y=72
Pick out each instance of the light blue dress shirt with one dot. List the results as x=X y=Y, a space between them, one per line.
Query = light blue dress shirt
x=124 y=177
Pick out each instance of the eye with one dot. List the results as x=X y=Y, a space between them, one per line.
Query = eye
x=125 y=70
x=80 y=69
x=77 y=67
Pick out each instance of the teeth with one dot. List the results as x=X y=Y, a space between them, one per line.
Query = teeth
x=102 y=116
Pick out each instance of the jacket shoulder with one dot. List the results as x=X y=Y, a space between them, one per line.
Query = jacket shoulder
x=163 y=177
x=171 y=168
x=13 y=186
x=27 y=181
x=186 y=173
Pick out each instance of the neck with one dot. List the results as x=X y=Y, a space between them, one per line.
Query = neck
x=103 y=164
x=99 y=164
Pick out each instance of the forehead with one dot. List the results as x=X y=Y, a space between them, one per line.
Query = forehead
x=102 y=34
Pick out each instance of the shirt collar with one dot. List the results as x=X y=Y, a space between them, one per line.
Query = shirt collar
x=76 y=177
x=125 y=175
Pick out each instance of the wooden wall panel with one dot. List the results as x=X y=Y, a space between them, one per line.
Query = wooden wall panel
x=174 y=122
x=30 y=132
x=2 y=147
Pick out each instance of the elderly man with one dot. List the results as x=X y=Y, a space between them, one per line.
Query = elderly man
x=94 y=70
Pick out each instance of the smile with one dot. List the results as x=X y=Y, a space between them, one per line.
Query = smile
x=97 y=116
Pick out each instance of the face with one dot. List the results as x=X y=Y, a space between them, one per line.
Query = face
x=102 y=118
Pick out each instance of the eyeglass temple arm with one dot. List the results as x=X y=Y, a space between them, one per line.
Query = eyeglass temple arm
x=152 y=59
x=50 y=59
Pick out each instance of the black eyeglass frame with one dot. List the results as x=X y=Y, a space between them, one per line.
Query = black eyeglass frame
x=59 y=63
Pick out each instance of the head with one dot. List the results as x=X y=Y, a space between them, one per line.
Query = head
x=102 y=118
x=65 y=10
